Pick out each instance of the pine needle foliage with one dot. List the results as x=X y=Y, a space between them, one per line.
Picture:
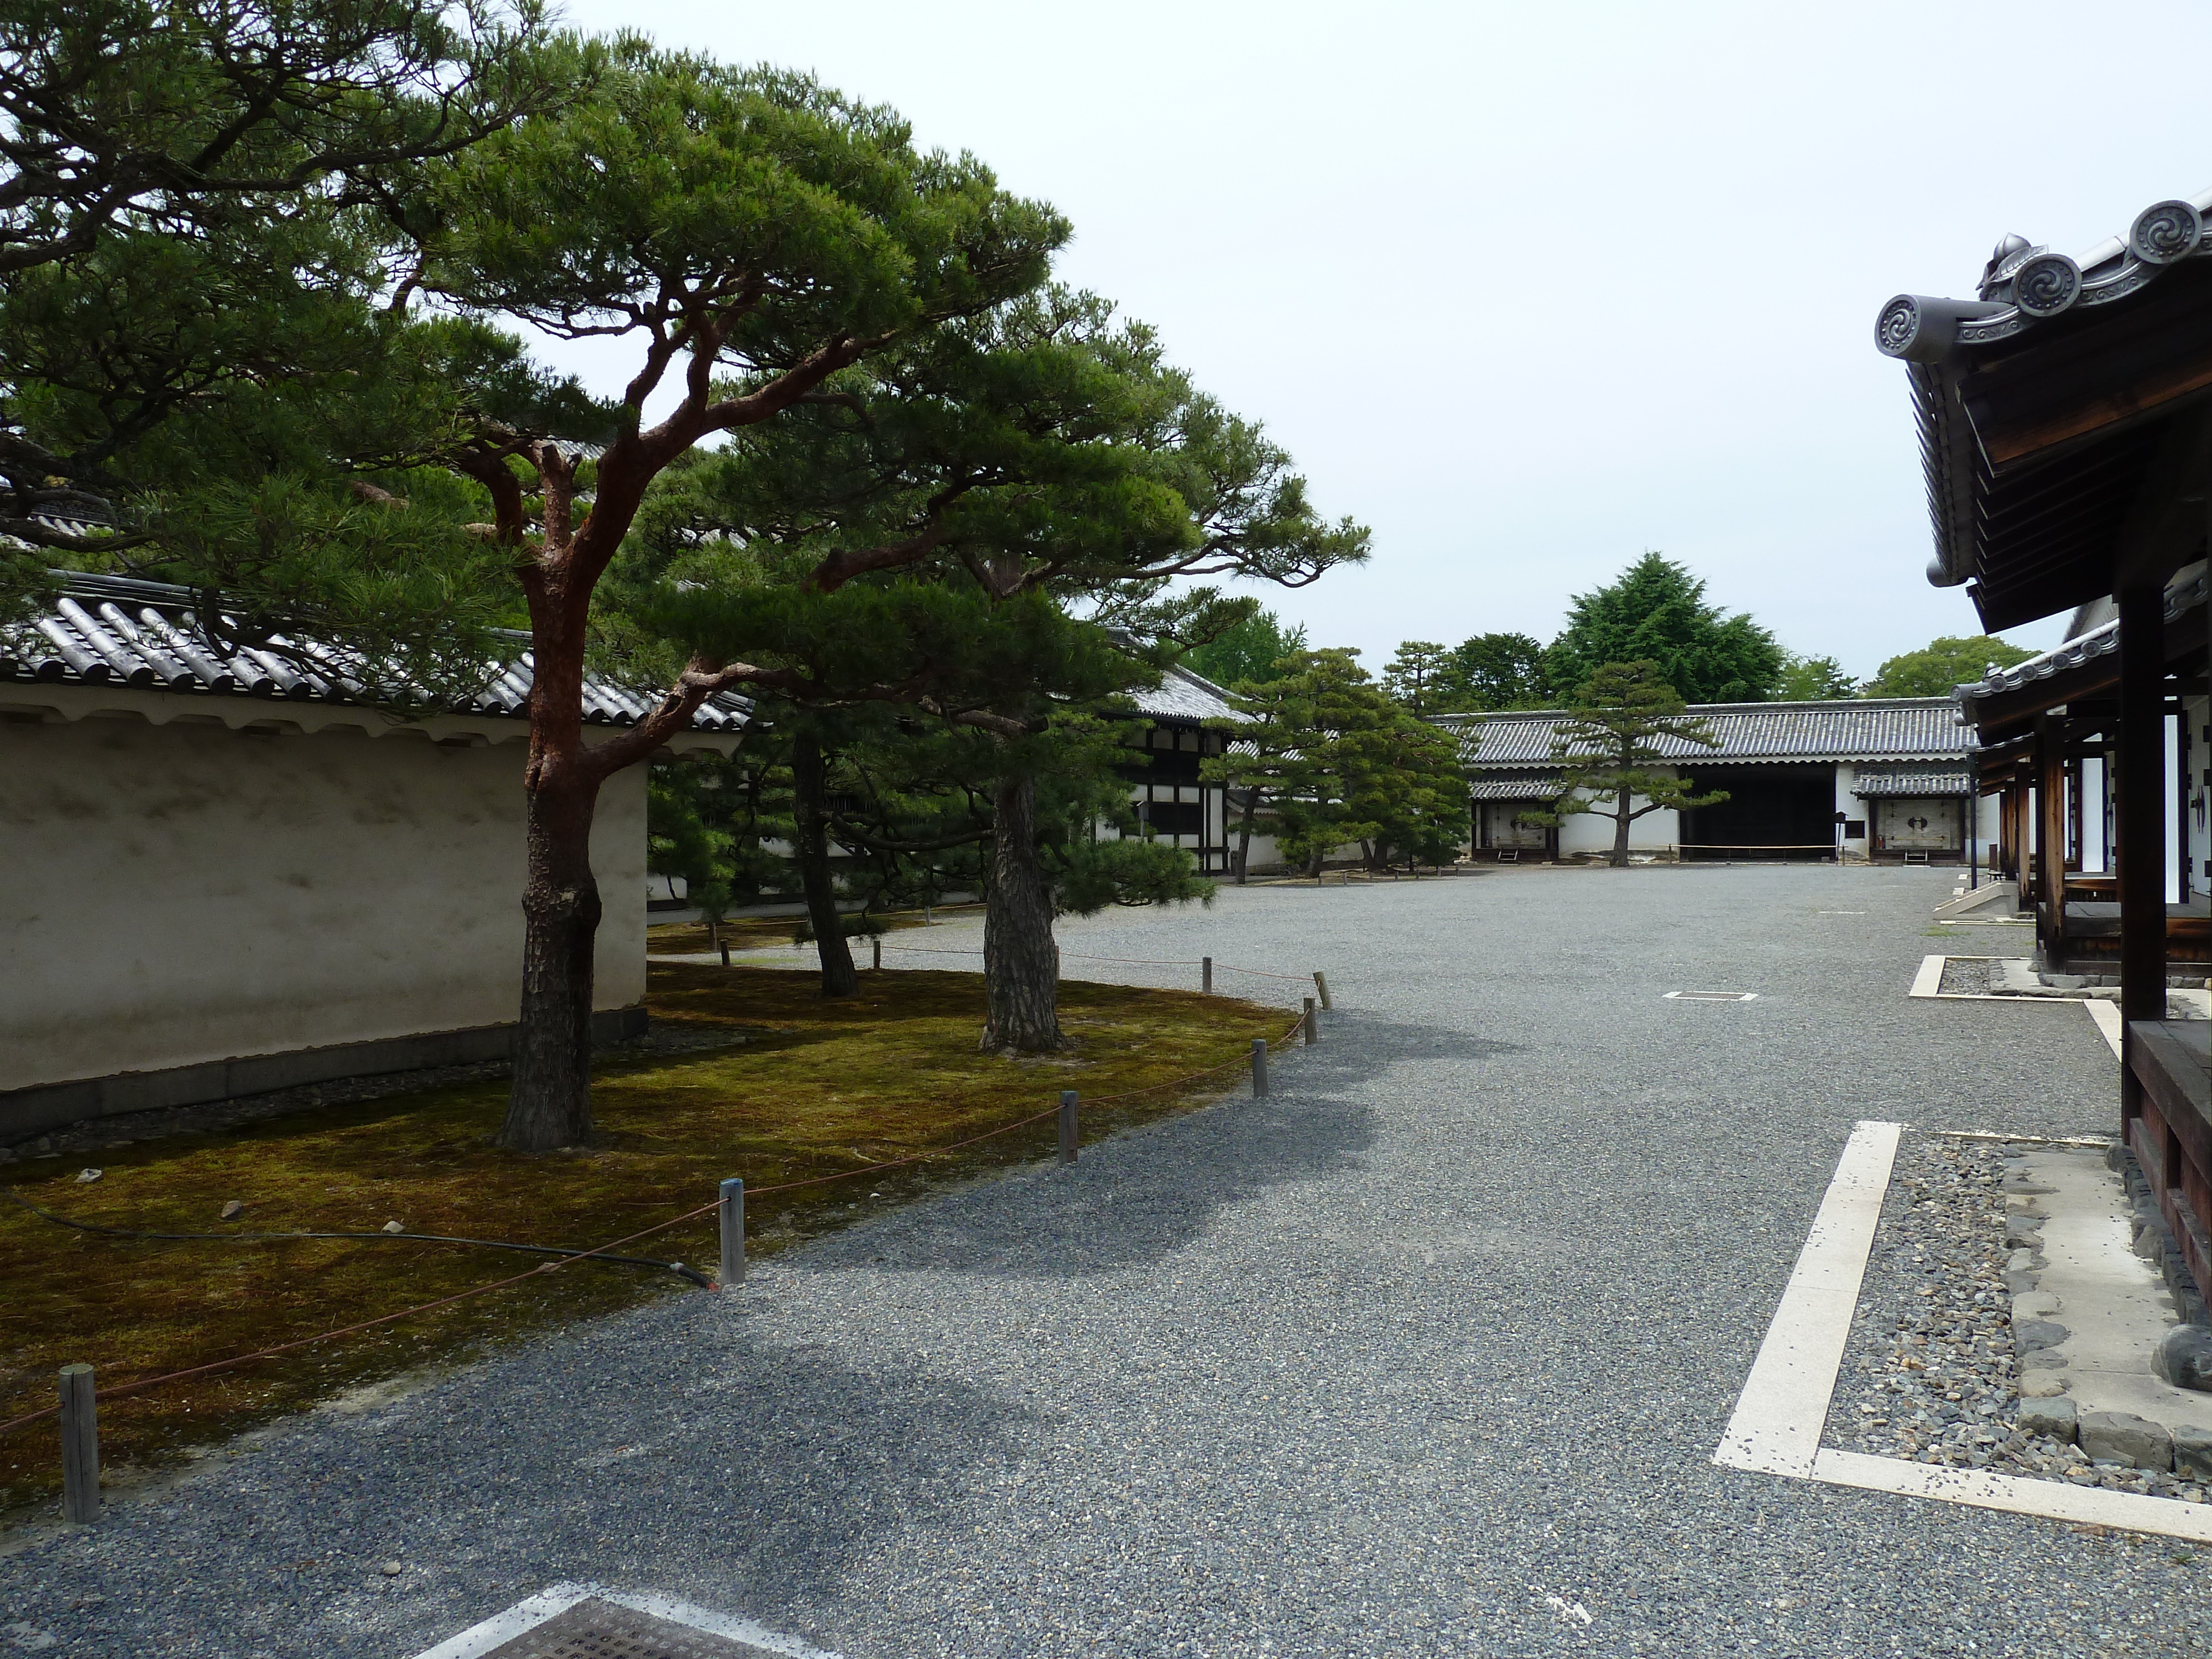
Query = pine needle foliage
x=1610 y=755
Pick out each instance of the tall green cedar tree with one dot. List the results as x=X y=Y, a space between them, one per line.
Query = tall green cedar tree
x=1041 y=460
x=1656 y=612
x=1620 y=746
x=1938 y=667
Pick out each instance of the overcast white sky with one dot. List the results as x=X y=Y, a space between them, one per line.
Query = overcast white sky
x=1531 y=289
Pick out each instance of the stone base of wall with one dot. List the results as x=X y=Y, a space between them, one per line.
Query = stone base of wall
x=26 y=1112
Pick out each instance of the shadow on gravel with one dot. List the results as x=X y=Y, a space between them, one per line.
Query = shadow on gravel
x=651 y=1454
x=1139 y=1197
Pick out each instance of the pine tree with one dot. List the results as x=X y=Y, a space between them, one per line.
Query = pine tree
x=1041 y=458
x=1610 y=755
x=1417 y=676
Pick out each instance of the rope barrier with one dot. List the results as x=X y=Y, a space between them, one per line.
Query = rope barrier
x=658 y=1227
x=1126 y=961
x=600 y=1254
x=366 y=1324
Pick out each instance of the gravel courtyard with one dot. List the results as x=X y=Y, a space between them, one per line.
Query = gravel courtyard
x=1426 y=1354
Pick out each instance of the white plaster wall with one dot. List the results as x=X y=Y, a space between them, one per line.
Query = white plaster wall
x=1857 y=848
x=2174 y=855
x=1593 y=832
x=2096 y=810
x=181 y=893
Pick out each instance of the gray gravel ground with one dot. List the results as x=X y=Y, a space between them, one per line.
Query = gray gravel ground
x=1931 y=1372
x=1418 y=1357
x=1969 y=976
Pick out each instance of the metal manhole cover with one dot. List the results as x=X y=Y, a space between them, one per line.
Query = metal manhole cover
x=594 y=1629
x=1712 y=996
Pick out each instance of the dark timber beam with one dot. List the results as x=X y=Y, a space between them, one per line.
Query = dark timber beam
x=2140 y=767
x=2049 y=845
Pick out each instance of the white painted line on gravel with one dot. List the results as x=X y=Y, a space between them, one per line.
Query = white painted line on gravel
x=1928 y=983
x=1783 y=1408
x=1784 y=1403
x=550 y=1603
x=2108 y=1021
x=2017 y=1494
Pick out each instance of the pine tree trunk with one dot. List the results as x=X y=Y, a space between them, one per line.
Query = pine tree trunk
x=549 y=1101
x=1021 y=965
x=808 y=776
x=1244 y=833
x=1623 y=817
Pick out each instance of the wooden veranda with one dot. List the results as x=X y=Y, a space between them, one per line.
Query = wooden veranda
x=2066 y=427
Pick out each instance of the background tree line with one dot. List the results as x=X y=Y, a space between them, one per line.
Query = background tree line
x=1656 y=612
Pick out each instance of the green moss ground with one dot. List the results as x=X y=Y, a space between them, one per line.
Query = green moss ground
x=833 y=1087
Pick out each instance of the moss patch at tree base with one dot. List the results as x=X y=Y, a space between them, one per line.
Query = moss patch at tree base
x=836 y=1086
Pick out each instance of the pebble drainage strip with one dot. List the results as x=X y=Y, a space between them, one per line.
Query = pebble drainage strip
x=1780 y=1415
x=586 y=1621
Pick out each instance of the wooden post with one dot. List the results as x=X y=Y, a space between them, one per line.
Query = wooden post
x=1321 y=985
x=1205 y=981
x=1067 y=1126
x=2141 y=827
x=726 y=953
x=80 y=1447
x=2051 y=842
x=876 y=945
x=734 y=1233
x=1311 y=1025
x=1259 y=1067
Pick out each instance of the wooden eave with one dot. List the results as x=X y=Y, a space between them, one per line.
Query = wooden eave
x=2001 y=716
x=2065 y=422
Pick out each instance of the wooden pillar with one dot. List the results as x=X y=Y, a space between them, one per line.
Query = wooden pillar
x=2050 y=842
x=2141 y=809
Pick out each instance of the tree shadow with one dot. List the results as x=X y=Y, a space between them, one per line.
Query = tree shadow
x=670 y=1448
x=1141 y=1195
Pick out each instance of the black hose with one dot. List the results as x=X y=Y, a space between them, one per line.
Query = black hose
x=676 y=1268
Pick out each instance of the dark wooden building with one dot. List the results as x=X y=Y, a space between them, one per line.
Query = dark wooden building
x=2065 y=415
x=1169 y=798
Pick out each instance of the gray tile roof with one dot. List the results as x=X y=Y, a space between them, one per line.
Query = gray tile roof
x=113 y=630
x=1912 y=781
x=2102 y=640
x=1515 y=786
x=1847 y=729
x=1183 y=695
